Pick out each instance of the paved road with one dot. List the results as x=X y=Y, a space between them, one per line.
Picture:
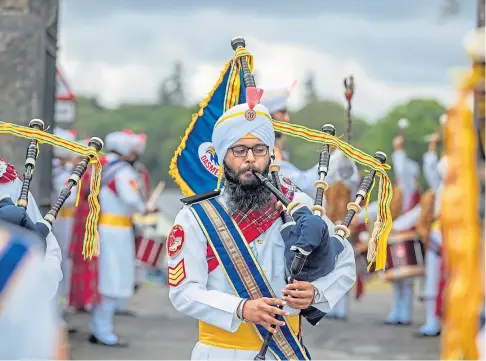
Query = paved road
x=159 y=332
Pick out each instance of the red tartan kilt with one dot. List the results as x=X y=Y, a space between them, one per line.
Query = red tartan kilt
x=84 y=277
x=147 y=251
x=84 y=284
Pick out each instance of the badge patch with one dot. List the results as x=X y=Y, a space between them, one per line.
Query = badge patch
x=250 y=114
x=134 y=185
x=175 y=241
x=177 y=274
x=209 y=158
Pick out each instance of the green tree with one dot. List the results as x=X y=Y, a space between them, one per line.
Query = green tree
x=165 y=126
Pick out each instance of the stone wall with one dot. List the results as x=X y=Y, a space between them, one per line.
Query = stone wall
x=27 y=27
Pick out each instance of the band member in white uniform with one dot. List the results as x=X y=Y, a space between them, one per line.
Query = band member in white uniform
x=119 y=199
x=198 y=285
x=434 y=171
x=406 y=174
x=10 y=186
x=140 y=141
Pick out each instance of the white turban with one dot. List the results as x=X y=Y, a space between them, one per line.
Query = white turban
x=141 y=143
x=277 y=101
x=68 y=135
x=234 y=125
x=121 y=142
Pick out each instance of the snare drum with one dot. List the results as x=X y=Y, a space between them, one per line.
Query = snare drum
x=405 y=257
x=149 y=243
x=148 y=250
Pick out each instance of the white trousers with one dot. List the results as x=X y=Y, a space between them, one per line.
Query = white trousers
x=101 y=325
x=206 y=352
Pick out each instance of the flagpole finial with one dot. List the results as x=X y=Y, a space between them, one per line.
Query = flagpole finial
x=238 y=42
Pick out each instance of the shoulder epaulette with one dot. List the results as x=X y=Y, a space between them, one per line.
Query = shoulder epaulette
x=200 y=197
x=7 y=172
x=286 y=182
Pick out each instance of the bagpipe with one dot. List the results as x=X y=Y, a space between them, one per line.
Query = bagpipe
x=18 y=212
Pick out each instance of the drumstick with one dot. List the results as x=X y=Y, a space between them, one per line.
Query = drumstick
x=156 y=193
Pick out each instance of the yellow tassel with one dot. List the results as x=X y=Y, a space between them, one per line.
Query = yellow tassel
x=79 y=193
x=380 y=262
x=91 y=239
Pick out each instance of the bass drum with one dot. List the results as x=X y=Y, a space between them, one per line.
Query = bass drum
x=405 y=257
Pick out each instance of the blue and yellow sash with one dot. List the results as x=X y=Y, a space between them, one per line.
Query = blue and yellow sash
x=243 y=272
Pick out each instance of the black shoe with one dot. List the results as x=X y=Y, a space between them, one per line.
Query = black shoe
x=94 y=340
x=401 y=323
x=72 y=330
x=126 y=313
x=419 y=334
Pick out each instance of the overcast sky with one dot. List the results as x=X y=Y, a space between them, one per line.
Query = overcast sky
x=121 y=49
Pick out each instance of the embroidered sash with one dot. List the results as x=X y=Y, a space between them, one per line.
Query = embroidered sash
x=243 y=272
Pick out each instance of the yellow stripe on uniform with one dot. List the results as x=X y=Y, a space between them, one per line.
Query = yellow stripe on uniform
x=245 y=338
x=114 y=220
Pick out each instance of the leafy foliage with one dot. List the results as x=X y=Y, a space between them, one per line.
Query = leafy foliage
x=166 y=124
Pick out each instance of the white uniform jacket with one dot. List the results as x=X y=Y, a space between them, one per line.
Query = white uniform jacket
x=207 y=295
x=117 y=240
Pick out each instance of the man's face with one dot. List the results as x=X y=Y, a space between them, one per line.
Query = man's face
x=131 y=157
x=257 y=158
x=281 y=116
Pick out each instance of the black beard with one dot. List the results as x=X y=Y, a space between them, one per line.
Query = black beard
x=243 y=196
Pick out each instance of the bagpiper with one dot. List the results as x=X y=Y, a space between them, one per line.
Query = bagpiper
x=201 y=284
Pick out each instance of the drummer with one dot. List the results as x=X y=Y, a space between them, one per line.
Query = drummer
x=407 y=193
x=140 y=142
x=434 y=171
